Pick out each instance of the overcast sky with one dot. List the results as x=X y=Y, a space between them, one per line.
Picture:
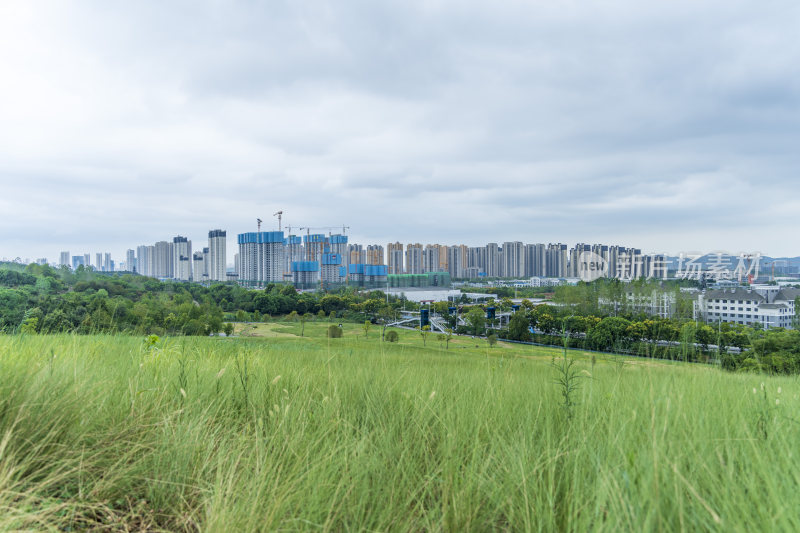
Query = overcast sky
x=671 y=126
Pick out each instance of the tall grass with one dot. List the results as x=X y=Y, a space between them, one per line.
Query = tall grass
x=353 y=434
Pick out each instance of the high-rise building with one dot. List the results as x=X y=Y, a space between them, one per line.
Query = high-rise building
x=78 y=260
x=108 y=264
x=430 y=258
x=414 y=259
x=455 y=261
x=513 y=259
x=198 y=267
x=534 y=260
x=87 y=260
x=205 y=275
x=181 y=257
x=375 y=254
x=314 y=246
x=261 y=257
x=394 y=257
x=476 y=262
x=163 y=261
x=130 y=261
x=357 y=255
x=556 y=259
x=573 y=269
x=145 y=257
x=294 y=251
x=338 y=244
x=217 y=257
x=331 y=269
x=63 y=259
x=493 y=260
x=98 y=262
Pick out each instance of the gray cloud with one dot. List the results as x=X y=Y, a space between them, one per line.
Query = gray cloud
x=666 y=126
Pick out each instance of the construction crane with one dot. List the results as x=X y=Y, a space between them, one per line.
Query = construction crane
x=258 y=220
x=279 y=214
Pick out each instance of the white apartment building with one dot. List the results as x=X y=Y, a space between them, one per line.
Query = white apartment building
x=769 y=306
x=217 y=258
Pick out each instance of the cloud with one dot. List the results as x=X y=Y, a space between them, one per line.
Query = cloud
x=663 y=126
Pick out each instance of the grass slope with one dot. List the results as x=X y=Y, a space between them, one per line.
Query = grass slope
x=288 y=433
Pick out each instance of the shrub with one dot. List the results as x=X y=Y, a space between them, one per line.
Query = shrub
x=334 y=332
x=392 y=336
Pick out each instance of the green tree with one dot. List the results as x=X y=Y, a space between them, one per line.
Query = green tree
x=477 y=320
x=305 y=317
x=425 y=331
x=491 y=339
x=366 y=326
x=518 y=327
x=228 y=328
x=29 y=326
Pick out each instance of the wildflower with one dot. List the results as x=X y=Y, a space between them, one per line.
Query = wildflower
x=276 y=379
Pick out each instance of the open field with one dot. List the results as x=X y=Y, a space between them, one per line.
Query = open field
x=279 y=432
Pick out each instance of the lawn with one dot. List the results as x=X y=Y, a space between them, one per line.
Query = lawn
x=282 y=432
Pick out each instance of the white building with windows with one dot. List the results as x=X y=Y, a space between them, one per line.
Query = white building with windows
x=217 y=258
x=768 y=306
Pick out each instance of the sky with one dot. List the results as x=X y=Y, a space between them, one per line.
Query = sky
x=668 y=126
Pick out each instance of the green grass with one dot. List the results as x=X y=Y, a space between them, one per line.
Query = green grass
x=289 y=433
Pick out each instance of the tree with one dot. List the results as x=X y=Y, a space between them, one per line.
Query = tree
x=392 y=336
x=29 y=325
x=228 y=329
x=476 y=320
x=518 y=327
x=305 y=317
x=491 y=339
x=425 y=331
x=609 y=332
x=366 y=328
x=448 y=338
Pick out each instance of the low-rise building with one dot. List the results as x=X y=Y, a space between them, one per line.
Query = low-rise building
x=767 y=306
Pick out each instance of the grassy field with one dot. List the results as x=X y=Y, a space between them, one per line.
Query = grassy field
x=277 y=432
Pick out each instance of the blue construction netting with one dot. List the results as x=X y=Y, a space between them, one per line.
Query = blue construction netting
x=331 y=259
x=305 y=266
x=264 y=237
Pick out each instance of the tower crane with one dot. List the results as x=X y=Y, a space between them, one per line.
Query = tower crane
x=279 y=214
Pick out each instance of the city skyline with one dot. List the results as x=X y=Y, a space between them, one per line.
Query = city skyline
x=660 y=125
